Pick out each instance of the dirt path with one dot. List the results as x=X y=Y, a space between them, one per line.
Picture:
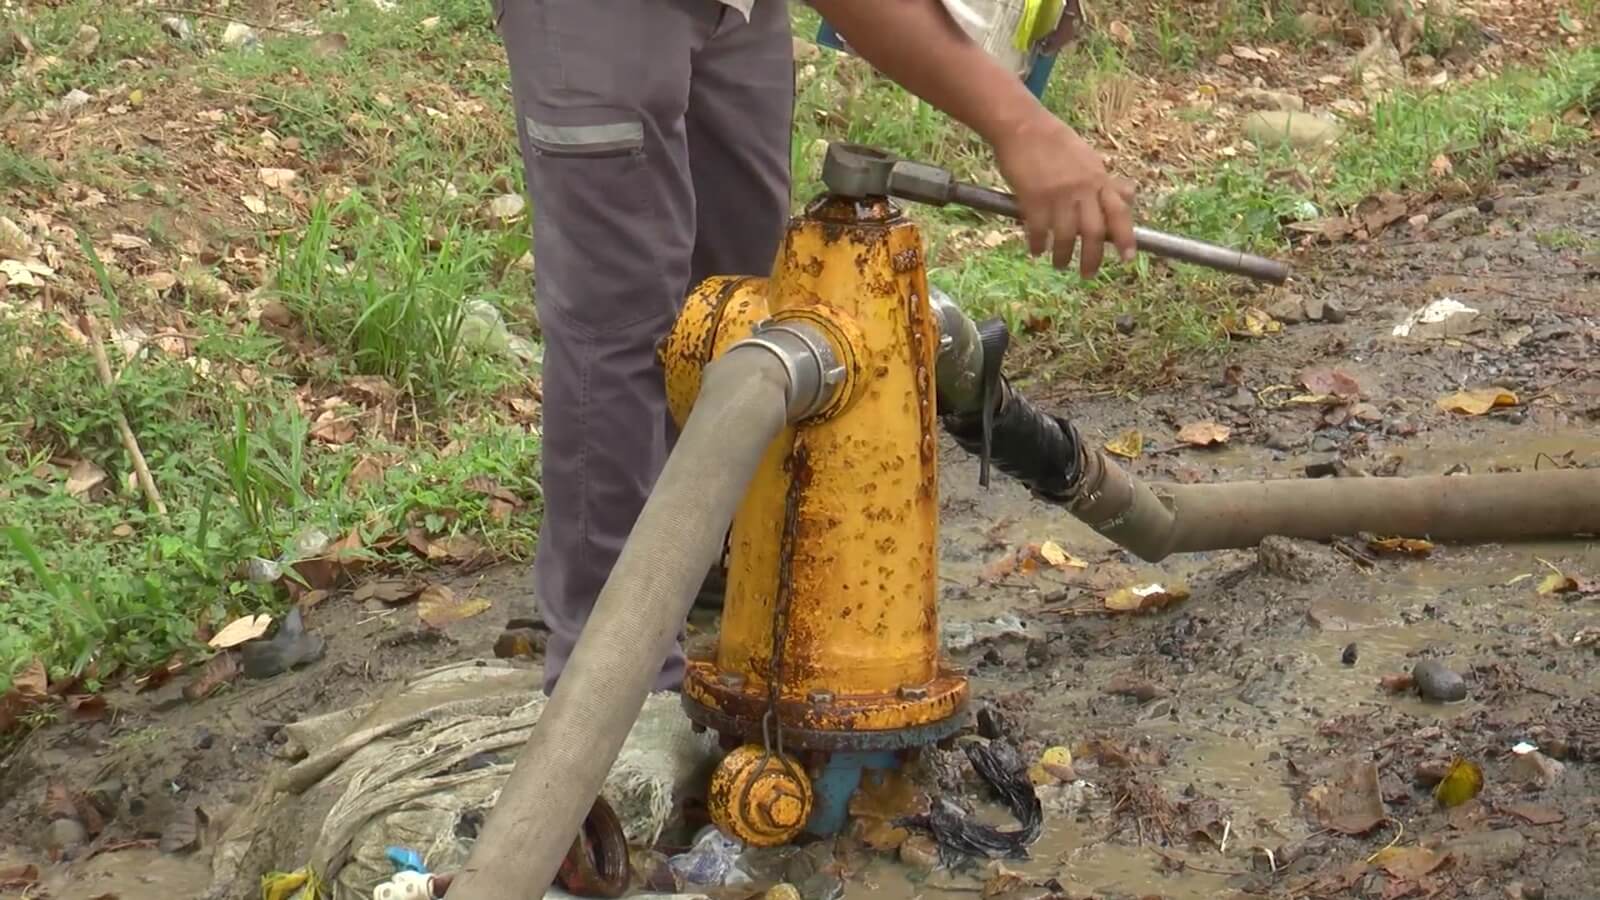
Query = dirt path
x=1208 y=725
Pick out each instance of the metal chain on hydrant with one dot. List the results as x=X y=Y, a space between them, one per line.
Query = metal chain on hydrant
x=771 y=727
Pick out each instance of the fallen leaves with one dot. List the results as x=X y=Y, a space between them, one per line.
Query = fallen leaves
x=276 y=179
x=240 y=630
x=1399 y=546
x=1146 y=598
x=218 y=672
x=1558 y=583
x=1204 y=434
x=1461 y=783
x=391 y=591
x=438 y=607
x=1535 y=815
x=18 y=878
x=1328 y=382
x=1251 y=323
x=1351 y=803
x=1029 y=558
x=1409 y=863
x=1127 y=445
x=1477 y=402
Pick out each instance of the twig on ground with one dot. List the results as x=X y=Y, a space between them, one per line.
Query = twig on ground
x=86 y=324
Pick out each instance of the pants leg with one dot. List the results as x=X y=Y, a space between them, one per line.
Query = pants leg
x=740 y=125
x=601 y=88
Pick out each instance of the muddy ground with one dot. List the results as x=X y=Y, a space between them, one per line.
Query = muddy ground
x=1211 y=736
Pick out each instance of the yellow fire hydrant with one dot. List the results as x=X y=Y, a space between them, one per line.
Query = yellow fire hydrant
x=828 y=661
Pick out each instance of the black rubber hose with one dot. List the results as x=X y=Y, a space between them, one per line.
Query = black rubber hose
x=1040 y=450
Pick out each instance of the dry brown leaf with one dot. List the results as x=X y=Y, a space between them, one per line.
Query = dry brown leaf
x=1146 y=597
x=367 y=470
x=1477 y=402
x=877 y=803
x=312 y=598
x=32 y=682
x=1536 y=815
x=1401 y=546
x=500 y=511
x=1002 y=882
x=1397 y=682
x=1127 y=445
x=18 y=878
x=488 y=486
x=333 y=431
x=86 y=707
x=1351 y=803
x=1329 y=382
x=1121 y=33
x=438 y=606
x=1204 y=434
x=277 y=179
x=1053 y=554
x=84 y=477
x=1409 y=863
x=160 y=675
x=218 y=671
x=459 y=548
x=254 y=203
x=1441 y=166
x=240 y=630
x=389 y=590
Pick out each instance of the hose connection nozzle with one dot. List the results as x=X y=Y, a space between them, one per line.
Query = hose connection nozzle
x=815 y=369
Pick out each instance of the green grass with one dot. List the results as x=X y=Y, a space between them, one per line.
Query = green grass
x=405 y=135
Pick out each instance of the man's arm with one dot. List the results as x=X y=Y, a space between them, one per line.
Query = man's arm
x=1061 y=183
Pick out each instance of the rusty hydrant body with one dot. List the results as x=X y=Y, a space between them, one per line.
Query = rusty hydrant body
x=829 y=658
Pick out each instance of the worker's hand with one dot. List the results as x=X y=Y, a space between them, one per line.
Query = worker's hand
x=1065 y=193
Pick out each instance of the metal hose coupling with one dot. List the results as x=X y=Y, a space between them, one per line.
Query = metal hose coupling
x=810 y=359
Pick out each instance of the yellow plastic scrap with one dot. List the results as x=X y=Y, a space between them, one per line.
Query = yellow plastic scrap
x=301 y=884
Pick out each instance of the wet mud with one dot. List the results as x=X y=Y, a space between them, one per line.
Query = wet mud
x=1240 y=742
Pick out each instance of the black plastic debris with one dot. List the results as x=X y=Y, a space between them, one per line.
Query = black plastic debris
x=960 y=836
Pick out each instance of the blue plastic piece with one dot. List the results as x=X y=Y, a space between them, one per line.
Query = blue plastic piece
x=1038 y=75
x=405 y=859
x=830 y=808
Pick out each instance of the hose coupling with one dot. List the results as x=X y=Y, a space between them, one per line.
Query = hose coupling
x=810 y=359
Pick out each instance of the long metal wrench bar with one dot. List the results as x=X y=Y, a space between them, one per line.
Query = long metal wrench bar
x=1157 y=243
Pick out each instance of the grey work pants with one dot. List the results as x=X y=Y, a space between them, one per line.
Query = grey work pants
x=656 y=140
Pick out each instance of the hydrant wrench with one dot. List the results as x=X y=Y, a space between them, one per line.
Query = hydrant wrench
x=858 y=172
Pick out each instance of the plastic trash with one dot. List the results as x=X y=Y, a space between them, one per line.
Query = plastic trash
x=405 y=886
x=484 y=329
x=960 y=835
x=711 y=862
x=406 y=860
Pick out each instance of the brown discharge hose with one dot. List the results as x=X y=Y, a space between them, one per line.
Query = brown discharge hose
x=1157 y=520
x=678 y=536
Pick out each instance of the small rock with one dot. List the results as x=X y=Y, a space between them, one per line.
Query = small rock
x=1430 y=772
x=1302 y=131
x=106 y=797
x=239 y=36
x=1126 y=685
x=74 y=100
x=177 y=27
x=1435 y=681
x=1288 y=310
x=1333 y=312
x=1258 y=98
x=1348 y=657
x=1418 y=221
x=1487 y=851
x=65 y=835
x=1456 y=217
x=1126 y=324
x=277 y=314
x=1283 y=440
x=1537 y=770
x=84 y=43
x=1323 y=444
x=920 y=853
x=204 y=739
